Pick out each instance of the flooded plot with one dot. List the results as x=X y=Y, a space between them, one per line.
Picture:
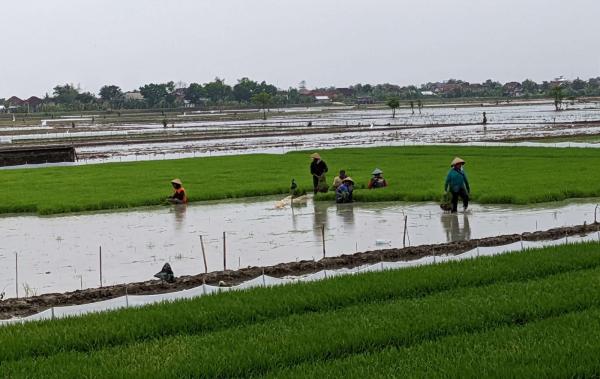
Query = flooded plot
x=331 y=127
x=56 y=254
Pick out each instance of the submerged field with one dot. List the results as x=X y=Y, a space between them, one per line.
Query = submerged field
x=497 y=174
x=527 y=314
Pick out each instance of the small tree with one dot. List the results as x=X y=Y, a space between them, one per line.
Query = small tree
x=557 y=93
x=393 y=103
x=263 y=100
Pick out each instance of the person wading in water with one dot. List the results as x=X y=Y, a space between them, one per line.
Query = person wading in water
x=318 y=169
x=458 y=184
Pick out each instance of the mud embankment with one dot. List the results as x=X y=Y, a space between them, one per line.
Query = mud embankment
x=31 y=305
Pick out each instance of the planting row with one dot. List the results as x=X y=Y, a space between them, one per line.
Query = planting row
x=220 y=312
x=269 y=345
x=497 y=175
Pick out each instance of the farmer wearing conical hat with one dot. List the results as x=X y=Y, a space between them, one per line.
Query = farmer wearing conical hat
x=458 y=184
x=343 y=194
x=318 y=168
x=179 y=196
x=377 y=181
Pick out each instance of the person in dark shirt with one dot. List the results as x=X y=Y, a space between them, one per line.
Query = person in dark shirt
x=318 y=169
x=179 y=196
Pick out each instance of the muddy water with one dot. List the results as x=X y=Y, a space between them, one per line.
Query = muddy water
x=430 y=127
x=57 y=254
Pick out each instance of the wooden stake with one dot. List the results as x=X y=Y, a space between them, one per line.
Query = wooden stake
x=203 y=255
x=405 y=231
x=100 y=264
x=224 y=252
x=323 y=238
x=17 y=274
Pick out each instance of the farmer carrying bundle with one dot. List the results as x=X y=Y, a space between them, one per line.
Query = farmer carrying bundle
x=457 y=184
x=318 y=169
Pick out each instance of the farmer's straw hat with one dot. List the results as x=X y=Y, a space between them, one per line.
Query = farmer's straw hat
x=176 y=181
x=456 y=161
x=348 y=179
x=315 y=156
x=377 y=172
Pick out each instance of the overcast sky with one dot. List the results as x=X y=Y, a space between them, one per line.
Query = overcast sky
x=324 y=42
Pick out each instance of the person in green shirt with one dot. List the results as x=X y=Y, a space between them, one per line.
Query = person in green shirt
x=458 y=184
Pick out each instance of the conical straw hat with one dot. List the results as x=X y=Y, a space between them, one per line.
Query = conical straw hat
x=315 y=156
x=176 y=181
x=457 y=160
x=377 y=172
x=348 y=179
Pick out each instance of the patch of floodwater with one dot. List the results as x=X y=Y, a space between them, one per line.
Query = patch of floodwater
x=267 y=281
x=135 y=244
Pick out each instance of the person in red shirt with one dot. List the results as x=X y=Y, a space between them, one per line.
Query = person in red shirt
x=179 y=196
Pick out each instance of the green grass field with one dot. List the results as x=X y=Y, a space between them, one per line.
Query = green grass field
x=526 y=314
x=497 y=174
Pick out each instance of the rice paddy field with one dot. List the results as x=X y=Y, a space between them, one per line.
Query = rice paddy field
x=517 y=175
x=529 y=314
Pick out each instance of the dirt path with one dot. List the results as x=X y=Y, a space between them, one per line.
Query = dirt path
x=28 y=306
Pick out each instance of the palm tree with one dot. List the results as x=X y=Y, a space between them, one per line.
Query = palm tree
x=393 y=103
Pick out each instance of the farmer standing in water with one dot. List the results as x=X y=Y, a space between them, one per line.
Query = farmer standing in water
x=318 y=169
x=458 y=184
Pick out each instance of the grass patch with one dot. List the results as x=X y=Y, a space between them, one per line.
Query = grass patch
x=515 y=175
x=321 y=325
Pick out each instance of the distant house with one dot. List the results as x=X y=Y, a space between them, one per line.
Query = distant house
x=133 y=95
x=365 y=100
x=33 y=103
x=512 y=89
x=346 y=92
x=14 y=102
x=322 y=99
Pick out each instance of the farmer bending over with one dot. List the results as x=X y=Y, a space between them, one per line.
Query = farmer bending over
x=337 y=181
x=377 y=181
x=318 y=168
x=179 y=196
x=458 y=184
x=343 y=194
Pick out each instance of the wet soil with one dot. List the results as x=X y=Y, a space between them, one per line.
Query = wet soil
x=31 y=305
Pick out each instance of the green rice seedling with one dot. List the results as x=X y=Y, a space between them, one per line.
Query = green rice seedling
x=517 y=175
x=563 y=346
x=227 y=310
x=317 y=336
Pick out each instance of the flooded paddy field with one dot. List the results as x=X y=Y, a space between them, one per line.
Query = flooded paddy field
x=286 y=131
x=57 y=254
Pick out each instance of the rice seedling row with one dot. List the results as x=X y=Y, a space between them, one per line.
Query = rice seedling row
x=344 y=321
x=497 y=174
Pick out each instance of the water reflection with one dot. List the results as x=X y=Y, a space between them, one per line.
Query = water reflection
x=346 y=213
x=453 y=229
x=179 y=211
x=320 y=215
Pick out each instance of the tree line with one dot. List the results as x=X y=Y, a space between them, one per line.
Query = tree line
x=247 y=92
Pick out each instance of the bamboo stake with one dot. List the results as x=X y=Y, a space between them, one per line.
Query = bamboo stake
x=17 y=274
x=405 y=231
x=203 y=255
x=323 y=238
x=224 y=252
x=100 y=264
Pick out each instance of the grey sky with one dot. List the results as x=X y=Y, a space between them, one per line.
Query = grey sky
x=325 y=42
